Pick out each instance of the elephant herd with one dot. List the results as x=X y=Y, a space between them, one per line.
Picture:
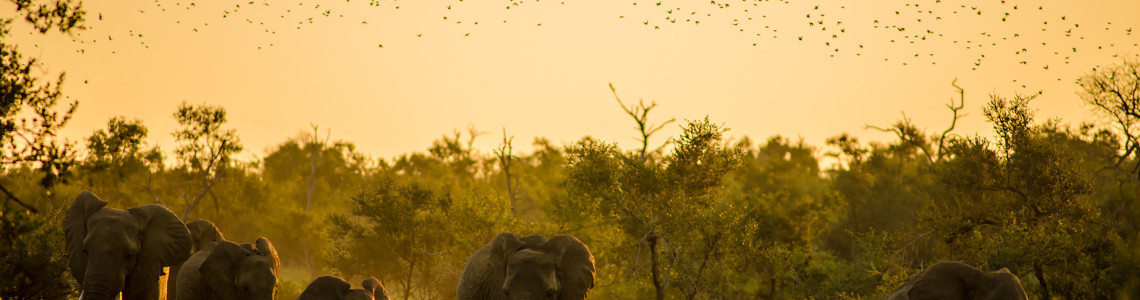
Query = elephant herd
x=114 y=252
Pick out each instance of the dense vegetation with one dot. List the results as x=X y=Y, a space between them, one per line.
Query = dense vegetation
x=697 y=216
x=703 y=217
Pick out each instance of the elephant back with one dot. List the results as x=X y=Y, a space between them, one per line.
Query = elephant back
x=325 y=288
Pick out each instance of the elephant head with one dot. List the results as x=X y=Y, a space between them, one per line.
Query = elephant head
x=510 y=267
x=230 y=271
x=113 y=250
x=335 y=288
x=955 y=280
x=202 y=232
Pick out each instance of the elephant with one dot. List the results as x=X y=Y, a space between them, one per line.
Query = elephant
x=112 y=251
x=955 y=280
x=202 y=232
x=510 y=267
x=225 y=270
x=335 y=288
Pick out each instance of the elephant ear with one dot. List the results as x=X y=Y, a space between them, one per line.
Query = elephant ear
x=489 y=281
x=1000 y=284
x=325 y=287
x=203 y=232
x=373 y=285
x=265 y=248
x=575 y=268
x=505 y=245
x=219 y=267
x=75 y=230
x=165 y=242
x=248 y=247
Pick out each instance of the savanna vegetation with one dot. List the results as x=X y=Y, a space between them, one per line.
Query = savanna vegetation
x=707 y=214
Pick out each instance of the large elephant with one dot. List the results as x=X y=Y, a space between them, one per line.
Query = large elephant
x=335 y=288
x=112 y=250
x=202 y=232
x=510 y=267
x=225 y=270
x=955 y=280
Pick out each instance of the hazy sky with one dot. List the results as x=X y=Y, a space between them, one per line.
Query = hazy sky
x=391 y=76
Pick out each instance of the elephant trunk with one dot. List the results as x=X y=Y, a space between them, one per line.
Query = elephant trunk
x=101 y=284
x=82 y=296
x=95 y=292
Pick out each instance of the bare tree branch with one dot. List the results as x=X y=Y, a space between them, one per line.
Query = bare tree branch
x=206 y=178
x=505 y=161
x=954 y=121
x=640 y=115
x=13 y=198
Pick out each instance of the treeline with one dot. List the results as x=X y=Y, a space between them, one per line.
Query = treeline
x=696 y=216
x=702 y=216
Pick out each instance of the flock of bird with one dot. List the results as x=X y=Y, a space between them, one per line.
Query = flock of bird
x=1025 y=33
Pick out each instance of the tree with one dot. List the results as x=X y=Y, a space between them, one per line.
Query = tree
x=339 y=170
x=781 y=206
x=405 y=232
x=539 y=181
x=506 y=160
x=451 y=161
x=31 y=265
x=1020 y=201
x=204 y=149
x=640 y=115
x=405 y=218
x=1114 y=93
x=118 y=158
x=31 y=139
x=65 y=15
x=121 y=140
x=691 y=219
x=670 y=204
x=316 y=146
x=292 y=172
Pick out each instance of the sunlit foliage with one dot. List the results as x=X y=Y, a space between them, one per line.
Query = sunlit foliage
x=702 y=216
x=34 y=161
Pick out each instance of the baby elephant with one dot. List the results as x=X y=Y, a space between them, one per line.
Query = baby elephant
x=955 y=280
x=335 y=288
x=225 y=270
x=202 y=233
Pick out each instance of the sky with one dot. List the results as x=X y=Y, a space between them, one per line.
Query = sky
x=392 y=76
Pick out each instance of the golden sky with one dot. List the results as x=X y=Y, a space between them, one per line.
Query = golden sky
x=391 y=76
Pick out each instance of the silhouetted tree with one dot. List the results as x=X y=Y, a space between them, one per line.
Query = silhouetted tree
x=117 y=160
x=671 y=204
x=32 y=264
x=1114 y=93
x=204 y=149
x=506 y=159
